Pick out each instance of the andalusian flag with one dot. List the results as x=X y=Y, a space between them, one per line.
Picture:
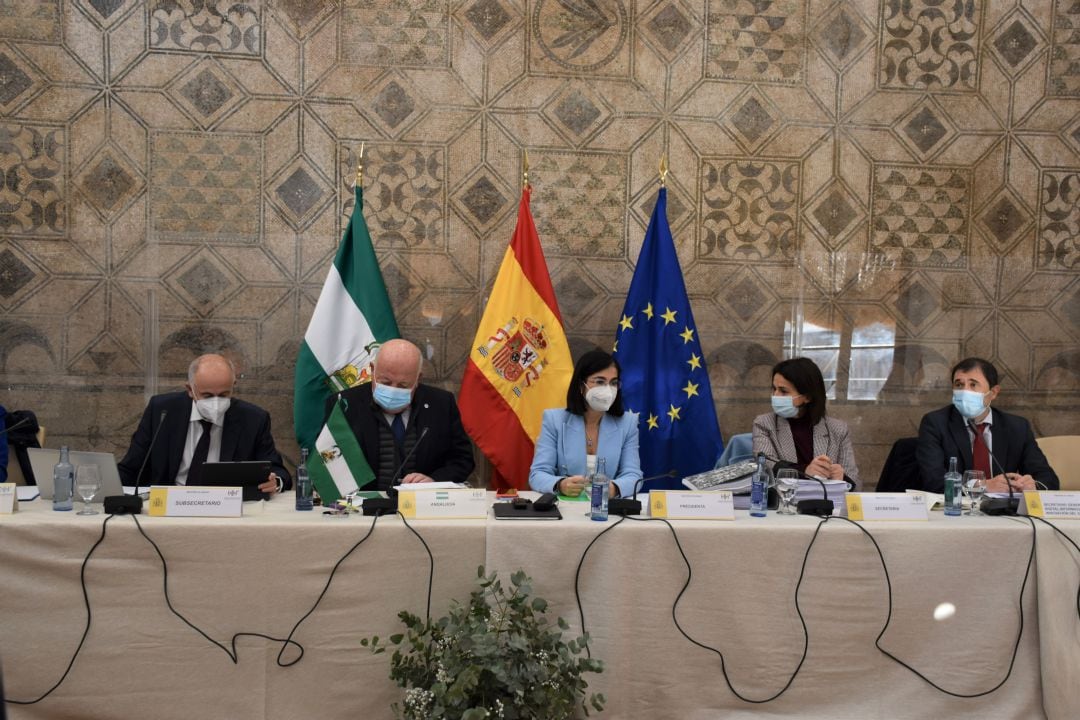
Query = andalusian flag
x=520 y=362
x=352 y=318
x=338 y=465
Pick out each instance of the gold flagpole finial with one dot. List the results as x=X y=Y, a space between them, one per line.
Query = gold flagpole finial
x=360 y=167
x=663 y=171
x=525 y=171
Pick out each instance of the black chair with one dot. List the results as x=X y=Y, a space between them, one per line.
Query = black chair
x=901 y=470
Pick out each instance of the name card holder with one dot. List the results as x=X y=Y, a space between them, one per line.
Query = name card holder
x=194 y=501
x=689 y=505
x=1051 y=504
x=886 y=506
x=444 y=504
x=9 y=503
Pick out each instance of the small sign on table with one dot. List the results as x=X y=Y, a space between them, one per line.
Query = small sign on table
x=193 y=501
x=886 y=506
x=689 y=505
x=1052 y=504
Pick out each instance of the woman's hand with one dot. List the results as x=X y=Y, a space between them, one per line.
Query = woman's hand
x=822 y=466
x=573 y=485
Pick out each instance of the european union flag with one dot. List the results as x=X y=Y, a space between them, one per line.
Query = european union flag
x=664 y=378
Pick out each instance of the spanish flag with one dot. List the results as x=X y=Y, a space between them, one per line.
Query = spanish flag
x=520 y=362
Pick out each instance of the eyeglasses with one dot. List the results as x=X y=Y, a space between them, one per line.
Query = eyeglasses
x=601 y=382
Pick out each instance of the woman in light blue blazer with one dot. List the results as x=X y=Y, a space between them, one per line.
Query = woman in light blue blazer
x=593 y=425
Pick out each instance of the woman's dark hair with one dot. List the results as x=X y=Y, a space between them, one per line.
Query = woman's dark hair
x=588 y=364
x=804 y=374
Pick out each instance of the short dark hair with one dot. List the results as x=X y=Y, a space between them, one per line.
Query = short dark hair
x=805 y=375
x=985 y=366
x=592 y=362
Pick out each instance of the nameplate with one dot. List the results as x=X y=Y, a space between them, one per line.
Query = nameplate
x=447 y=504
x=886 y=506
x=184 y=501
x=1052 y=504
x=689 y=505
x=8 y=502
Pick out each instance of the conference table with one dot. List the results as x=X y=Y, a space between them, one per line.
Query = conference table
x=266 y=573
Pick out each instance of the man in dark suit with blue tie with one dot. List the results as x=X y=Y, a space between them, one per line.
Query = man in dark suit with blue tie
x=205 y=423
x=980 y=437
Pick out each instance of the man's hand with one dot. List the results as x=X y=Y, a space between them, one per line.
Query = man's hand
x=1001 y=483
x=270 y=487
x=416 y=478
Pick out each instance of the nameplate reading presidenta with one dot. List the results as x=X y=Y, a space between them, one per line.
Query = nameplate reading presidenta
x=8 y=501
x=1052 y=504
x=689 y=505
x=456 y=504
x=886 y=506
x=194 y=501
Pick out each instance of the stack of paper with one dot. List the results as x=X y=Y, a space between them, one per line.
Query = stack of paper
x=811 y=490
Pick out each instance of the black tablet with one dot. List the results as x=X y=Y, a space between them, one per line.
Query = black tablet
x=247 y=474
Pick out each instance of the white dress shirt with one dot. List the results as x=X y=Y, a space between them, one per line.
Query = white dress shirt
x=195 y=432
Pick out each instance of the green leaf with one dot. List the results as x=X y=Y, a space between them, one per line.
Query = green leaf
x=539 y=604
x=396 y=639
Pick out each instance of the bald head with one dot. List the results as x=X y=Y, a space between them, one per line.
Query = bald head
x=210 y=376
x=398 y=364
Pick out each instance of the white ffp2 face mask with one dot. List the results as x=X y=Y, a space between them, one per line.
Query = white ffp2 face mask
x=213 y=408
x=601 y=398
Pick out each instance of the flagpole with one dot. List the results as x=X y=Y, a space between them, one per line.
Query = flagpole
x=360 y=168
x=663 y=171
x=525 y=171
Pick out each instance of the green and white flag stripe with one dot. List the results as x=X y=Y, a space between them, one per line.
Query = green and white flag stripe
x=353 y=315
x=338 y=465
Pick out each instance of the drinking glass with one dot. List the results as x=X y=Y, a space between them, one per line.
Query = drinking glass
x=87 y=483
x=787 y=483
x=974 y=484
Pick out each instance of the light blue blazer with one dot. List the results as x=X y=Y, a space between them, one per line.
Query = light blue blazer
x=560 y=450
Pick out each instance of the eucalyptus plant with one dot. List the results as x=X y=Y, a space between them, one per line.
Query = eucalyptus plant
x=495 y=657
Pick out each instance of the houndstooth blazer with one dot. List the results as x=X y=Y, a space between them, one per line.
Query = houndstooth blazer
x=772 y=436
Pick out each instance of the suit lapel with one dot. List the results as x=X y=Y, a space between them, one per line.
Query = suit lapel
x=999 y=445
x=784 y=439
x=230 y=435
x=610 y=443
x=961 y=438
x=821 y=439
x=177 y=438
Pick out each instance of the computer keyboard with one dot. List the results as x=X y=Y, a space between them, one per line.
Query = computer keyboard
x=713 y=479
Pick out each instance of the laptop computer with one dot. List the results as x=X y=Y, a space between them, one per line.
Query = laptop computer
x=42 y=461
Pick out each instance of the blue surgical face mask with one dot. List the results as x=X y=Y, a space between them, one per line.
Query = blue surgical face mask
x=784 y=406
x=391 y=399
x=968 y=403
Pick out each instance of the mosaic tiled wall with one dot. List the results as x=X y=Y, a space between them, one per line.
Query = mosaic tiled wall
x=885 y=185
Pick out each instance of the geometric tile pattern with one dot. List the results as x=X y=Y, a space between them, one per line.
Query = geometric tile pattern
x=920 y=215
x=749 y=209
x=34 y=201
x=396 y=34
x=757 y=41
x=1065 y=53
x=30 y=20
x=218 y=26
x=205 y=187
x=927 y=44
x=175 y=176
x=590 y=192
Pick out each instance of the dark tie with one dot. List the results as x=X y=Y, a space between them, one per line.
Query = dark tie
x=202 y=449
x=398 y=428
x=980 y=453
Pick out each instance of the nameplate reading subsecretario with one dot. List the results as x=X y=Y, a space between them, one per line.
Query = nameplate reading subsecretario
x=1052 y=504
x=886 y=506
x=193 y=501
x=688 y=505
x=460 y=504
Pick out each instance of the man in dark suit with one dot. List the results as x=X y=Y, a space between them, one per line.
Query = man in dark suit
x=390 y=415
x=203 y=424
x=980 y=437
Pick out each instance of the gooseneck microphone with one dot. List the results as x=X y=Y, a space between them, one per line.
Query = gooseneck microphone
x=631 y=505
x=132 y=504
x=4 y=431
x=388 y=505
x=997 y=506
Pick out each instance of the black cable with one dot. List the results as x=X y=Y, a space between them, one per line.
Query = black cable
x=888 y=617
x=577 y=578
x=82 y=640
x=682 y=591
x=431 y=562
x=1071 y=542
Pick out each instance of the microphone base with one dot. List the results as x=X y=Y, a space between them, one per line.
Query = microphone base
x=815 y=507
x=1000 y=506
x=123 y=505
x=380 y=506
x=624 y=506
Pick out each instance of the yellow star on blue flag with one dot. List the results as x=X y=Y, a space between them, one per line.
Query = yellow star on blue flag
x=664 y=378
